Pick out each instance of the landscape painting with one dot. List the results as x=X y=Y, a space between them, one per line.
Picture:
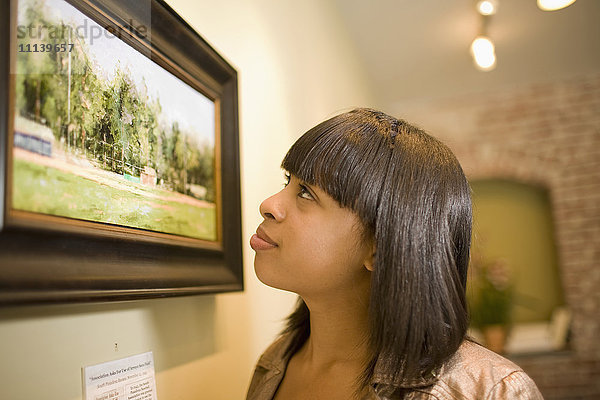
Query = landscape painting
x=104 y=134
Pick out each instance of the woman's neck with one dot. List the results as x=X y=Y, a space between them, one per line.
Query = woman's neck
x=338 y=331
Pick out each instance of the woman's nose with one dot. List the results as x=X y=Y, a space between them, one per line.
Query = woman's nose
x=272 y=207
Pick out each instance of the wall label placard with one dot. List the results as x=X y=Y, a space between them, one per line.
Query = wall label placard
x=130 y=378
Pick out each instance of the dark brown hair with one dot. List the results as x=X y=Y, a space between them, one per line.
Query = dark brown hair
x=414 y=201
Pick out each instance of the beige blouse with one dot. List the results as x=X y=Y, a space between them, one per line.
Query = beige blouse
x=473 y=372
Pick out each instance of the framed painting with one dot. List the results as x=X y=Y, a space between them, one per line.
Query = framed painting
x=120 y=158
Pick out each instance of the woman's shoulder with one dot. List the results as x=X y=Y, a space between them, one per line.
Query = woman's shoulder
x=472 y=357
x=478 y=373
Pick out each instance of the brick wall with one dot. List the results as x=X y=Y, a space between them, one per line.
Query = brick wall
x=546 y=134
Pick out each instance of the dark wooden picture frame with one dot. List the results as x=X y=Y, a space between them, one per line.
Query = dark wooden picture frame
x=57 y=259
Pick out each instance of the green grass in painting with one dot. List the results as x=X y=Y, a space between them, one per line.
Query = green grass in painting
x=51 y=191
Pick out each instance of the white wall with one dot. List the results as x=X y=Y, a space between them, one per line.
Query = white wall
x=296 y=67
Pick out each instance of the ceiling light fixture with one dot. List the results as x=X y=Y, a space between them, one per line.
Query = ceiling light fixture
x=484 y=53
x=551 y=5
x=487 y=7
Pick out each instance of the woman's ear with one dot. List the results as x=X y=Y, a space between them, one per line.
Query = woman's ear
x=370 y=261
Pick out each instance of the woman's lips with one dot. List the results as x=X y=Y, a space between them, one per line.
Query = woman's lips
x=261 y=241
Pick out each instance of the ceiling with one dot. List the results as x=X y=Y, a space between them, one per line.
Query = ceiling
x=420 y=48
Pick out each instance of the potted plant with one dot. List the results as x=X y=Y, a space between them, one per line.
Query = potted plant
x=491 y=297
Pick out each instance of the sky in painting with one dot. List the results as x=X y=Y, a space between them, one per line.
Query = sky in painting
x=180 y=103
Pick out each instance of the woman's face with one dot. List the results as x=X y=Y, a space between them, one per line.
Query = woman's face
x=310 y=245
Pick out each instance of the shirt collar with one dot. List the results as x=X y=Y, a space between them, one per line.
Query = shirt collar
x=274 y=357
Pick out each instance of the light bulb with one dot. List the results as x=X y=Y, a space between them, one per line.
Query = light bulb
x=487 y=7
x=551 y=5
x=483 y=52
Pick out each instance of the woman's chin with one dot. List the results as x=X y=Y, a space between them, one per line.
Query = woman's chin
x=267 y=276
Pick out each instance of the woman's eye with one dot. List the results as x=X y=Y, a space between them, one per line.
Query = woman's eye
x=304 y=193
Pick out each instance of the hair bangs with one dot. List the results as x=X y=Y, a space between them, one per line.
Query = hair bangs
x=332 y=156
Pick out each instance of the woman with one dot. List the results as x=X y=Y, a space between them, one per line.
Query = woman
x=372 y=231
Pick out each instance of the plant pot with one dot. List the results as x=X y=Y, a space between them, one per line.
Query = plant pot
x=494 y=337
